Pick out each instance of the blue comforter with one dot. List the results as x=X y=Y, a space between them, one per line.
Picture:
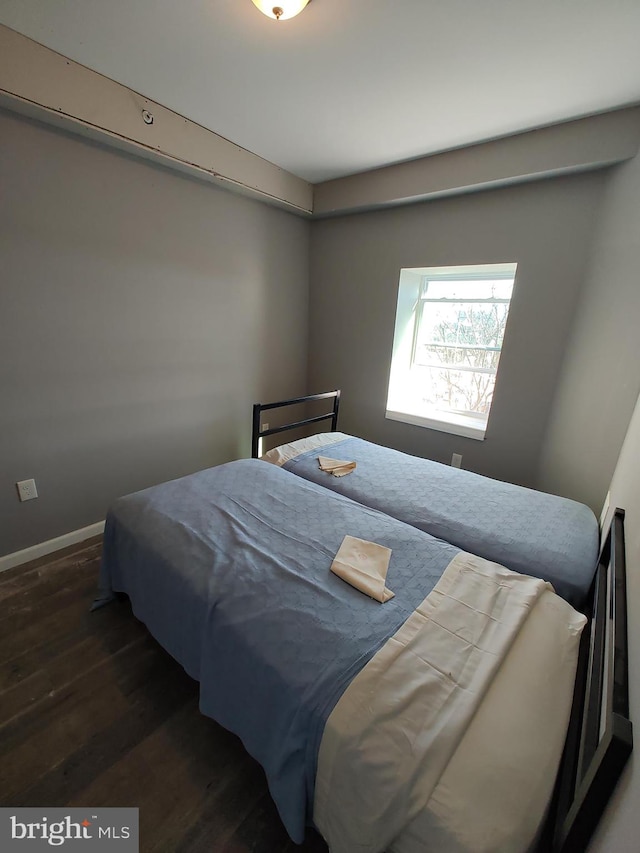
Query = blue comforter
x=528 y=531
x=229 y=570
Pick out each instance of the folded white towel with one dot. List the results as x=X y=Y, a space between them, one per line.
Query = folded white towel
x=364 y=565
x=337 y=467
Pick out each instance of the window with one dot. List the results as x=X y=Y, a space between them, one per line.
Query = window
x=450 y=323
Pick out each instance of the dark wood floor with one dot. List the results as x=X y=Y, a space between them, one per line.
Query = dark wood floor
x=94 y=713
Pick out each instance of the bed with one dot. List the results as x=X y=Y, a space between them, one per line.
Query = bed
x=401 y=726
x=528 y=531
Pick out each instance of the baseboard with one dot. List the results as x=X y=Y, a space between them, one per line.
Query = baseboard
x=51 y=545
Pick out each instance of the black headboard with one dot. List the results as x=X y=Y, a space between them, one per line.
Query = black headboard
x=600 y=737
x=258 y=408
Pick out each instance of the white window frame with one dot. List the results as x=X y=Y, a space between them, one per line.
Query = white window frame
x=456 y=423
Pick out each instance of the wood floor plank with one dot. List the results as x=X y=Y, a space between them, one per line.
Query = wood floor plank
x=260 y=832
x=40 y=739
x=221 y=816
x=26 y=574
x=186 y=747
x=49 y=581
x=50 y=624
x=18 y=613
x=59 y=633
x=66 y=668
x=70 y=776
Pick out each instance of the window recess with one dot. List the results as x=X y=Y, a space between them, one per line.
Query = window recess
x=450 y=325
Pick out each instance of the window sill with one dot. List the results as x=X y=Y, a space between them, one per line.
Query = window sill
x=456 y=426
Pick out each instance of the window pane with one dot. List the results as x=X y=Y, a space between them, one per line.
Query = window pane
x=460 y=289
x=466 y=392
x=439 y=356
x=461 y=324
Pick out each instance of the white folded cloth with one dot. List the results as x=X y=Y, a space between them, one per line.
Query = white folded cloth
x=364 y=565
x=337 y=467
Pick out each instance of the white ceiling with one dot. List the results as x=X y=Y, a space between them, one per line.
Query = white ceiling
x=349 y=85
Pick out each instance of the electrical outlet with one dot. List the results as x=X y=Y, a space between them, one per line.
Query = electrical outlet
x=456 y=460
x=264 y=427
x=27 y=490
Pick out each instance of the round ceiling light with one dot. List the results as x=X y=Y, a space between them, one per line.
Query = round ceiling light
x=280 y=10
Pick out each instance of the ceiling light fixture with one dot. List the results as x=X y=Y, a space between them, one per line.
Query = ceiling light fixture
x=281 y=9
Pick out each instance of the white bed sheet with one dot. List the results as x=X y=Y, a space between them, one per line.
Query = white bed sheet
x=493 y=793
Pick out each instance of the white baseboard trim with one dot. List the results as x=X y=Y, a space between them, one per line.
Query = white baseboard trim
x=51 y=545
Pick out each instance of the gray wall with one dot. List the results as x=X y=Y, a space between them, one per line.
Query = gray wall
x=141 y=313
x=355 y=264
x=600 y=379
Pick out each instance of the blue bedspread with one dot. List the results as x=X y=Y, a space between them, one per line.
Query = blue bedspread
x=229 y=570
x=528 y=531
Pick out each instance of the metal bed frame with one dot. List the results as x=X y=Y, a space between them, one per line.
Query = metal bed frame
x=258 y=408
x=600 y=735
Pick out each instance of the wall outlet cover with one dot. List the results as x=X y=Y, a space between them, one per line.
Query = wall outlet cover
x=27 y=490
